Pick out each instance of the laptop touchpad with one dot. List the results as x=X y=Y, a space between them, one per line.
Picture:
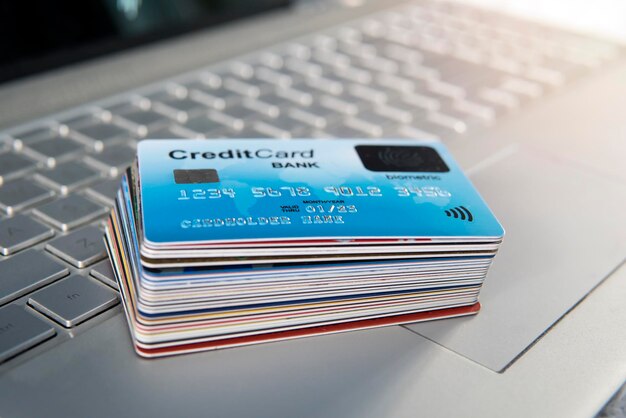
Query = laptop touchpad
x=565 y=232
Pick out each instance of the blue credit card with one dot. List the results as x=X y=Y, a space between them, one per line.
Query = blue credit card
x=215 y=191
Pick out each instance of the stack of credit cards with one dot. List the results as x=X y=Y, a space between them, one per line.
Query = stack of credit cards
x=221 y=243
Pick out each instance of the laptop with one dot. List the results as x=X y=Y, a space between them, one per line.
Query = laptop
x=528 y=96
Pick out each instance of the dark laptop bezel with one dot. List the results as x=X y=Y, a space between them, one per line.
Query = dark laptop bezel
x=27 y=64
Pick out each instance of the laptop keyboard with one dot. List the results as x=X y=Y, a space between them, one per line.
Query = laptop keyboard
x=428 y=69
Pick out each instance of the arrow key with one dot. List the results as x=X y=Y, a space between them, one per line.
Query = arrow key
x=80 y=248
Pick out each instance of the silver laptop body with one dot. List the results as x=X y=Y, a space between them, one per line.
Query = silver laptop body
x=534 y=114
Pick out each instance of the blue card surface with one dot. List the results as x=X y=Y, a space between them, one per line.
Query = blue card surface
x=224 y=191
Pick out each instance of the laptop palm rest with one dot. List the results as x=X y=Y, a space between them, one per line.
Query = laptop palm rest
x=564 y=233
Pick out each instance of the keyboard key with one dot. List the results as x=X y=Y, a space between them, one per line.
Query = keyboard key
x=324 y=41
x=170 y=91
x=73 y=300
x=6 y=142
x=241 y=114
x=467 y=110
x=104 y=191
x=182 y=132
x=325 y=85
x=364 y=126
x=38 y=134
x=545 y=75
x=367 y=93
x=303 y=68
x=346 y=75
x=285 y=123
x=309 y=117
x=251 y=133
x=499 y=98
x=402 y=54
x=326 y=58
x=391 y=113
x=373 y=118
x=284 y=94
x=21 y=194
x=102 y=134
x=408 y=131
x=126 y=106
x=27 y=271
x=216 y=96
x=394 y=82
x=344 y=131
x=70 y=212
x=207 y=98
x=222 y=133
x=468 y=74
x=267 y=75
x=13 y=165
x=448 y=122
x=377 y=63
x=429 y=120
x=168 y=133
x=52 y=151
x=348 y=34
x=80 y=248
x=19 y=331
x=260 y=106
x=445 y=89
x=90 y=117
x=270 y=59
x=67 y=177
x=356 y=49
x=241 y=69
x=104 y=272
x=187 y=105
x=204 y=80
x=336 y=104
x=243 y=88
x=232 y=122
x=522 y=87
x=271 y=130
x=414 y=103
x=20 y=232
x=298 y=50
x=294 y=76
x=424 y=127
x=112 y=160
x=328 y=114
x=147 y=120
x=320 y=134
x=170 y=112
x=202 y=124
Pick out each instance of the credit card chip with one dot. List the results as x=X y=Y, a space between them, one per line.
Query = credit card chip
x=197 y=176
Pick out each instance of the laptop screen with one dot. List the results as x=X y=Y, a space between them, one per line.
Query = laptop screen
x=37 y=35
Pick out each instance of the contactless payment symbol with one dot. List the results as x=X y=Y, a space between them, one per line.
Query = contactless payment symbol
x=460 y=212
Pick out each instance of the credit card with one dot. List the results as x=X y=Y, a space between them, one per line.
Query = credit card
x=253 y=193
